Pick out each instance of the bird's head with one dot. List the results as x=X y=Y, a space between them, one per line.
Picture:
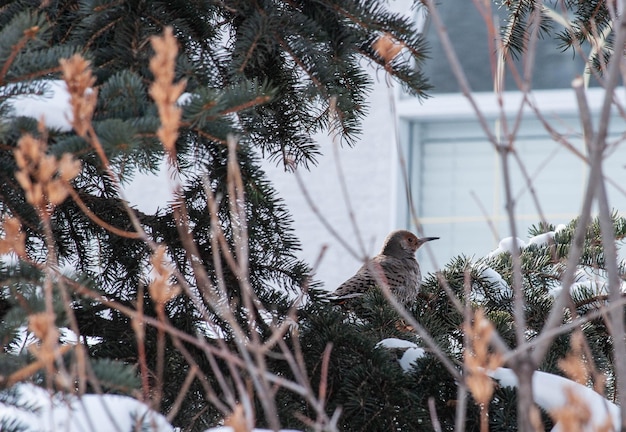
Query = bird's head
x=401 y=243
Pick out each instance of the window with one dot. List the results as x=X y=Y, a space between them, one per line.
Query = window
x=456 y=178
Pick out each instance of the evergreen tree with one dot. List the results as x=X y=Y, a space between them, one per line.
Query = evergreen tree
x=367 y=381
x=589 y=19
x=267 y=72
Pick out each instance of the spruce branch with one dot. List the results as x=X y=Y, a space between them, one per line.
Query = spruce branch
x=29 y=34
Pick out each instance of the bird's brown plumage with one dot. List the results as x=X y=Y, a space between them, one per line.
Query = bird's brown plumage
x=396 y=263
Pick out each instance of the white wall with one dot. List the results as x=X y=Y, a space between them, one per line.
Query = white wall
x=369 y=169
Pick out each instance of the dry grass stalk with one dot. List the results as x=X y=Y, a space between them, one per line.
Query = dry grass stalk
x=574 y=415
x=164 y=92
x=14 y=239
x=79 y=80
x=237 y=420
x=479 y=359
x=43 y=327
x=43 y=178
x=29 y=370
x=161 y=289
x=579 y=366
x=574 y=365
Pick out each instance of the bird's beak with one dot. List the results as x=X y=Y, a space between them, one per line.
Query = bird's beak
x=426 y=239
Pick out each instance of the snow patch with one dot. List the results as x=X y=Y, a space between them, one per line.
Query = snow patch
x=96 y=413
x=549 y=394
x=53 y=107
x=544 y=239
x=559 y=228
x=146 y=192
x=507 y=244
x=494 y=277
x=413 y=351
x=588 y=279
x=393 y=343
x=409 y=358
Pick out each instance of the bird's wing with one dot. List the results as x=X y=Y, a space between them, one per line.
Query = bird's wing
x=356 y=286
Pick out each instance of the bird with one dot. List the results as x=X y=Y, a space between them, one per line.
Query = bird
x=397 y=263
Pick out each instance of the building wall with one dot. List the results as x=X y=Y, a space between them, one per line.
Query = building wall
x=369 y=170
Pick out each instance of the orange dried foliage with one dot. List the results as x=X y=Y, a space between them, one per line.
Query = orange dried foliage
x=574 y=365
x=387 y=47
x=161 y=289
x=43 y=327
x=164 y=92
x=579 y=367
x=44 y=178
x=79 y=80
x=479 y=359
x=237 y=420
x=574 y=415
x=14 y=239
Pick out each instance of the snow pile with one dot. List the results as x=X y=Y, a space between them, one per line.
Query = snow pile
x=492 y=276
x=549 y=392
x=412 y=352
x=53 y=107
x=36 y=410
x=542 y=239
x=588 y=280
x=507 y=244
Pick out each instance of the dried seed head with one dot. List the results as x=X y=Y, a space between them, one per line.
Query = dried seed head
x=388 y=47
x=28 y=156
x=14 y=239
x=481 y=386
x=161 y=289
x=79 y=80
x=574 y=364
x=43 y=327
x=56 y=192
x=479 y=359
x=164 y=92
x=69 y=167
x=574 y=415
x=237 y=420
x=43 y=178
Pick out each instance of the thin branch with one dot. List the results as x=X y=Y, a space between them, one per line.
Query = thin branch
x=91 y=215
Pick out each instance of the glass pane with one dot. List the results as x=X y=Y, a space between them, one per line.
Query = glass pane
x=553 y=68
x=458 y=183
